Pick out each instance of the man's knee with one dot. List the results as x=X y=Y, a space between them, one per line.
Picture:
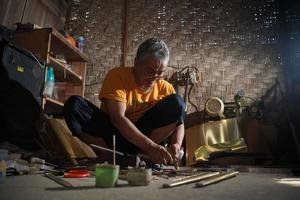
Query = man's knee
x=177 y=103
x=72 y=103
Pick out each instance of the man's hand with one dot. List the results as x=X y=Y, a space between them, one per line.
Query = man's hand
x=159 y=155
x=174 y=150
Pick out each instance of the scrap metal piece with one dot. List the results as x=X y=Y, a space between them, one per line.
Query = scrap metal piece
x=217 y=179
x=204 y=152
x=190 y=179
x=220 y=136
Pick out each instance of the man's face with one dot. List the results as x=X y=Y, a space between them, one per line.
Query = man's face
x=149 y=71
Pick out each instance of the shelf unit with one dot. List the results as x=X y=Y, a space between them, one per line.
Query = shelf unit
x=48 y=44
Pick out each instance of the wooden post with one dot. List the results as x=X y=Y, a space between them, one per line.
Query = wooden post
x=124 y=36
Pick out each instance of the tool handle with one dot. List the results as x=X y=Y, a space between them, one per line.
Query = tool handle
x=217 y=179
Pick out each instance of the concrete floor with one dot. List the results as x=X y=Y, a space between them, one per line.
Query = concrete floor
x=245 y=186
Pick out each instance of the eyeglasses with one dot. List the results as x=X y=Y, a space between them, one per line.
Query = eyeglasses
x=148 y=72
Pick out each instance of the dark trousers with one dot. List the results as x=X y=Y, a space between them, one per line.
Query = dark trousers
x=84 y=117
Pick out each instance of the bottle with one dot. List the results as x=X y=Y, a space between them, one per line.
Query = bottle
x=81 y=43
x=50 y=83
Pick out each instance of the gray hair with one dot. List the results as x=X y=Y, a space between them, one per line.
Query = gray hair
x=153 y=47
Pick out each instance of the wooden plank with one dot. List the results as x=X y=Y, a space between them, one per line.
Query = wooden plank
x=40 y=44
x=54 y=101
x=53 y=106
x=84 y=75
x=45 y=13
x=78 y=68
x=34 y=13
x=56 y=7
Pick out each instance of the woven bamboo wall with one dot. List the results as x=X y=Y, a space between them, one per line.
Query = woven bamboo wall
x=231 y=43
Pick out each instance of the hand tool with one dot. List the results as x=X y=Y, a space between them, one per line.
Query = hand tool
x=217 y=179
x=176 y=160
x=215 y=169
x=58 y=180
x=176 y=164
x=190 y=179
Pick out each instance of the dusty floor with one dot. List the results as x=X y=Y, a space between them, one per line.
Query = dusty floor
x=245 y=186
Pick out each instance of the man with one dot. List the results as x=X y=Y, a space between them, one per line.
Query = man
x=138 y=106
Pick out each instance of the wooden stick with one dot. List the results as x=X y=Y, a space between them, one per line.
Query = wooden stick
x=217 y=179
x=114 y=151
x=106 y=149
x=190 y=179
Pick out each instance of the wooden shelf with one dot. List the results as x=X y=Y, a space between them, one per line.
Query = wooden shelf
x=63 y=73
x=54 y=101
x=59 y=45
x=53 y=106
x=49 y=44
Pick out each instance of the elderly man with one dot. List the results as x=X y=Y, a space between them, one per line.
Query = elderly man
x=137 y=106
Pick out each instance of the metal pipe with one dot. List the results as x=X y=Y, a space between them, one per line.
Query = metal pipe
x=217 y=179
x=190 y=179
x=58 y=180
x=106 y=149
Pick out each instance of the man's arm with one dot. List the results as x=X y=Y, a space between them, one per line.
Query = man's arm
x=157 y=153
x=176 y=140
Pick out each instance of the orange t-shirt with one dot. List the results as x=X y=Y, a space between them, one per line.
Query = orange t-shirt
x=119 y=84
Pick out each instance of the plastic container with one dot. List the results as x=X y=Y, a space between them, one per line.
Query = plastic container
x=139 y=176
x=50 y=83
x=106 y=175
x=81 y=43
x=71 y=40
